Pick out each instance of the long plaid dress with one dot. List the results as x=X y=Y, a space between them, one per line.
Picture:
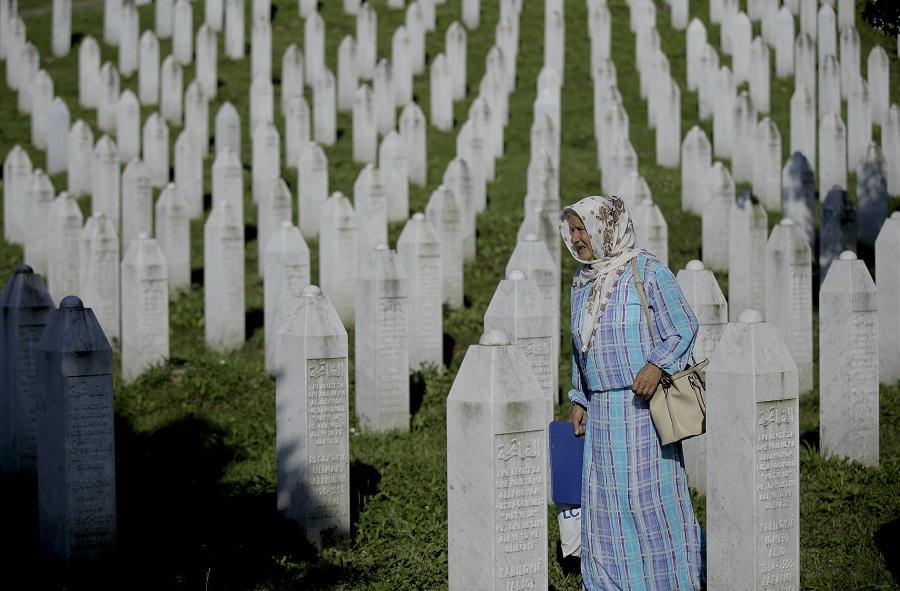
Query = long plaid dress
x=638 y=527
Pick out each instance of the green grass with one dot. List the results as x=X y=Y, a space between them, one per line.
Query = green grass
x=195 y=438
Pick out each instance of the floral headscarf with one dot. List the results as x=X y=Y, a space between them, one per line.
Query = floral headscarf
x=608 y=223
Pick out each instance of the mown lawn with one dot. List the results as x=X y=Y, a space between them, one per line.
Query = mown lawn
x=195 y=438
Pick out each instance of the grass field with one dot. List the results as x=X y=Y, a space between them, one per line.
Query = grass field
x=196 y=437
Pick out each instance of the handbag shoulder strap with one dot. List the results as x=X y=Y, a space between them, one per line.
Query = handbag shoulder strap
x=643 y=295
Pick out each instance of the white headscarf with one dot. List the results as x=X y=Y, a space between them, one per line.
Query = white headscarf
x=609 y=226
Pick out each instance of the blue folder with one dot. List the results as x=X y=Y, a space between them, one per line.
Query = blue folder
x=566 y=457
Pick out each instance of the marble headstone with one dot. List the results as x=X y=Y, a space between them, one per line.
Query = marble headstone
x=446 y=215
x=58 y=136
x=223 y=266
x=720 y=190
x=145 y=308
x=837 y=228
x=173 y=235
x=63 y=231
x=419 y=248
x=337 y=255
x=887 y=253
x=287 y=274
x=748 y=230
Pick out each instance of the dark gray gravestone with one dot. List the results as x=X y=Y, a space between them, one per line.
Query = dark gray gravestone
x=872 y=202
x=24 y=305
x=798 y=195
x=837 y=228
x=76 y=442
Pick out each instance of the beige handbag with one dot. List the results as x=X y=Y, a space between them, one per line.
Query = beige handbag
x=678 y=407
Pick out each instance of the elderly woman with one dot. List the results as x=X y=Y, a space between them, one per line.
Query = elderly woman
x=639 y=531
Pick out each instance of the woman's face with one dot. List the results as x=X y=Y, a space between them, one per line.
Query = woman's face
x=581 y=240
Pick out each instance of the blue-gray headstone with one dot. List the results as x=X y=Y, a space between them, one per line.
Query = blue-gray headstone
x=837 y=228
x=24 y=305
x=76 y=442
x=798 y=195
x=872 y=202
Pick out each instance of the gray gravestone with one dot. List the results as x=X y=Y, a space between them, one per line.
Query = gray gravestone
x=24 y=305
x=223 y=289
x=887 y=253
x=76 y=438
x=312 y=418
x=173 y=233
x=420 y=250
x=145 y=308
x=837 y=228
x=337 y=255
x=872 y=198
x=63 y=230
x=287 y=272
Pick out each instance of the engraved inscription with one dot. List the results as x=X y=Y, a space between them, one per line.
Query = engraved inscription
x=393 y=364
x=90 y=465
x=777 y=500
x=519 y=511
x=329 y=472
x=864 y=386
x=429 y=308
x=29 y=335
x=537 y=352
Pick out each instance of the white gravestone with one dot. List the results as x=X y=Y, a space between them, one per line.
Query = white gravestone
x=803 y=124
x=173 y=234
x=214 y=14
x=100 y=280
x=346 y=73
x=393 y=162
x=40 y=197
x=471 y=13
x=275 y=207
x=383 y=97
x=419 y=248
x=265 y=160
x=826 y=32
x=107 y=96
x=27 y=66
x=805 y=62
x=445 y=214
x=314 y=46
x=707 y=301
x=767 y=164
x=171 y=91
x=57 y=136
x=760 y=82
x=145 y=308
x=366 y=40
x=17 y=170
x=878 y=74
x=747 y=233
x=784 y=43
x=496 y=470
x=696 y=158
x=890 y=146
x=518 y=309
x=228 y=183
x=441 y=94
x=370 y=203
x=401 y=61
x=62 y=27
x=324 y=109
x=76 y=451
x=129 y=30
x=262 y=103
x=234 y=29
x=413 y=132
x=848 y=362
x=128 y=126
x=789 y=294
x=651 y=229
x=287 y=274
x=832 y=152
x=457 y=179
x=720 y=191
x=455 y=41
x=137 y=203
x=829 y=86
x=228 y=129
x=887 y=253
x=80 y=158
x=148 y=69
x=337 y=255
x=156 y=150
x=24 y=306
x=416 y=29
x=196 y=116
x=752 y=461
x=207 y=69
x=365 y=139
x=859 y=123
x=668 y=126
x=312 y=419
x=64 y=230
x=189 y=174
x=743 y=138
x=165 y=18
x=850 y=58
x=261 y=48
x=105 y=183
x=312 y=188
x=723 y=114
x=297 y=129
x=88 y=71
x=41 y=98
x=382 y=342
x=223 y=277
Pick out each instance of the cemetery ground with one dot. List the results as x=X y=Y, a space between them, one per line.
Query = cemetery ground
x=195 y=438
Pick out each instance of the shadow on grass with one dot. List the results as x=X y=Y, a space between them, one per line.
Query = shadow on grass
x=253 y=321
x=887 y=540
x=417 y=386
x=810 y=438
x=179 y=527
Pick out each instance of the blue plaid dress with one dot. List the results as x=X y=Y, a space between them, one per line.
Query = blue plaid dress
x=639 y=531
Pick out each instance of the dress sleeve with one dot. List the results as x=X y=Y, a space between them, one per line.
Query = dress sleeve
x=675 y=324
x=576 y=394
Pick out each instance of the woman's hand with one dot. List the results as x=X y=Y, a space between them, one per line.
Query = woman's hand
x=646 y=381
x=577 y=418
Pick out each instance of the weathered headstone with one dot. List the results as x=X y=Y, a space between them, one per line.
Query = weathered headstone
x=287 y=274
x=261 y=48
x=156 y=150
x=207 y=69
x=651 y=229
x=262 y=103
x=337 y=255
x=419 y=248
x=223 y=276
x=165 y=18
x=129 y=30
x=41 y=98
x=784 y=43
x=228 y=183
x=40 y=197
x=347 y=78
x=365 y=139
x=832 y=152
x=275 y=207
x=393 y=162
x=228 y=129
x=878 y=74
x=17 y=171
x=747 y=233
x=24 y=306
x=88 y=71
x=413 y=132
x=767 y=164
x=107 y=95
x=80 y=159
x=148 y=69
x=441 y=94
x=706 y=299
x=803 y=124
x=324 y=108
x=455 y=40
x=62 y=27
x=173 y=235
x=76 y=447
x=98 y=275
x=189 y=174
x=696 y=158
x=370 y=203
x=445 y=214
x=128 y=126
x=214 y=14
x=312 y=188
x=401 y=61
x=145 y=308
x=105 y=180
x=887 y=272
x=752 y=461
x=137 y=203
x=496 y=470
x=829 y=86
x=850 y=58
x=383 y=97
x=234 y=29
x=789 y=294
x=382 y=342
x=171 y=91
x=837 y=228
x=366 y=40
x=63 y=231
x=848 y=362
x=798 y=195
x=312 y=422
x=720 y=191
x=265 y=159
x=859 y=123
x=314 y=46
